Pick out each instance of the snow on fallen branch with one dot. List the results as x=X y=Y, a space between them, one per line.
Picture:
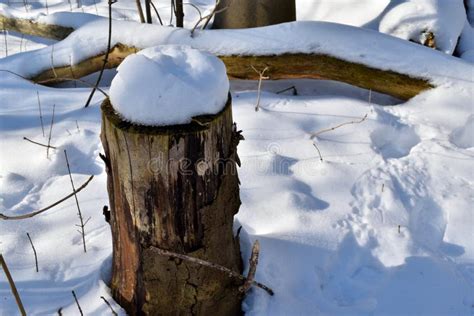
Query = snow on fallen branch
x=315 y=50
x=29 y=215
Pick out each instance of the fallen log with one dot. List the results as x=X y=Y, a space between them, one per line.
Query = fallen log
x=280 y=66
x=286 y=66
x=31 y=27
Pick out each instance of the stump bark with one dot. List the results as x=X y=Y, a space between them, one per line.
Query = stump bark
x=175 y=188
x=237 y=14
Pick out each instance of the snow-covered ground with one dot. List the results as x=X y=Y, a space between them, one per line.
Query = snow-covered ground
x=383 y=225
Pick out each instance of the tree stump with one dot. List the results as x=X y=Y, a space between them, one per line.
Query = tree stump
x=175 y=188
x=238 y=14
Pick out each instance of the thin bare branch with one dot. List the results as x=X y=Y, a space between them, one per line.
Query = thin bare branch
x=79 y=213
x=260 y=79
x=50 y=132
x=253 y=262
x=39 y=144
x=12 y=286
x=106 y=58
x=110 y=306
x=319 y=152
x=77 y=302
x=210 y=265
x=34 y=251
x=316 y=134
x=29 y=215
x=40 y=112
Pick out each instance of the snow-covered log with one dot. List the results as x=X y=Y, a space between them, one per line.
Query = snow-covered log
x=290 y=50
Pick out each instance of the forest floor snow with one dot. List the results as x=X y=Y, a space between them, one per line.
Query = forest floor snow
x=383 y=225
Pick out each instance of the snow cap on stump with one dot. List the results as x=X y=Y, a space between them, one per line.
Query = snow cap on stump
x=169 y=85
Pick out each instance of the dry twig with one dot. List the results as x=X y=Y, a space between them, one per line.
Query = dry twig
x=40 y=112
x=106 y=58
x=34 y=251
x=261 y=77
x=319 y=152
x=79 y=213
x=210 y=265
x=253 y=262
x=12 y=286
x=29 y=215
x=316 y=134
x=39 y=144
x=50 y=132
x=77 y=302
x=110 y=306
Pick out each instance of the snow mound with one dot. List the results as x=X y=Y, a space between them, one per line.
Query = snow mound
x=410 y=20
x=463 y=136
x=167 y=85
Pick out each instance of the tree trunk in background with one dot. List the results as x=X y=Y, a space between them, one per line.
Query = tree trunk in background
x=148 y=11
x=176 y=188
x=179 y=11
x=253 y=13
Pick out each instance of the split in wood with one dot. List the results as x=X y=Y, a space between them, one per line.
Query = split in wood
x=211 y=265
x=34 y=251
x=29 y=215
x=12 y=285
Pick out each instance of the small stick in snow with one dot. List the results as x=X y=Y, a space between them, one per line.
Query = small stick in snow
x=47 y=8
x=261 y=78
x=319 y=152
x=77 y=126
x=29 y=215
x=79 y=213
x=6 y=40
x=77 y=302
x=295 y=92
x=60 y=311
x=70 y=5
x=109 y=44
x=12 y=286
x=39 y=144
x=50 y=132
x=399 y=229
x=110 y=306
x=40 y=112
x=316 y=134
x=34 y=251
x=210 y=265
x=253 y=262
x=383 y=186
